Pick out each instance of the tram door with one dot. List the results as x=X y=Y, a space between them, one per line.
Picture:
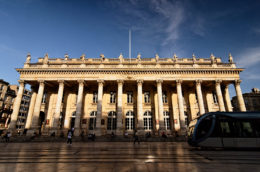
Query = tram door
x=227 y=132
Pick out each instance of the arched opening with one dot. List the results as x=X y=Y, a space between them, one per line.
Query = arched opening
x=111 y=120
x=92 y=120
x=130 y=121
x=148 y=121
x=72 y=120
x=166 y=117
x=41 y=121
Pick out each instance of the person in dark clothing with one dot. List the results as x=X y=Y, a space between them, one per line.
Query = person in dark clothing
x=69 y=141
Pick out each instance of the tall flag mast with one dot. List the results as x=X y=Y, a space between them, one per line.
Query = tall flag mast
x=130 y=45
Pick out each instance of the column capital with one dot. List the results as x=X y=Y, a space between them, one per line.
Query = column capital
x=80 y=81
x=198 y=81
x=140 y=81
x=60 y=81
x=100 y=82
x=41 y=81
x=218 y=81
x=179 y=81
x=238 y=81
x=120 y=81
x=159 y=81
x=21 y=81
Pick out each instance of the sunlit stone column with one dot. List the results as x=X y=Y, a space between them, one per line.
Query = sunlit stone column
x=227 y=99
x=140 y=122
x=99 y=108
x=17 y=104
x=79 y=107
x=200 y=98
x=55 y=121
x=31 y=108
x=219 y=95
x=160 y=104
x=240 y=98
x=180 y=103
x=37 y=108
x=119 y=130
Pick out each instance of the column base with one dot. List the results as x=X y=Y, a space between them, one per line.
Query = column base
x=119 y=132
x=77 y=132
x=98 y=131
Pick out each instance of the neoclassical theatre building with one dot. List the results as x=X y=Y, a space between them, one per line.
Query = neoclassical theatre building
x=119 y=95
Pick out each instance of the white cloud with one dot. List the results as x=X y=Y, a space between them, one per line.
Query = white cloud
x=249 y=57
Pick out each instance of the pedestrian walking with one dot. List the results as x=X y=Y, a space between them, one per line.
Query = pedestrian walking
x=69 y=141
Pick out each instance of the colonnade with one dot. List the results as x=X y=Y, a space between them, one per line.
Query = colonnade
x=36 y=100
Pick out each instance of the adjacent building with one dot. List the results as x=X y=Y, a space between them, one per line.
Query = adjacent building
x=105 y=95
x=252 y=101
x=8 y=94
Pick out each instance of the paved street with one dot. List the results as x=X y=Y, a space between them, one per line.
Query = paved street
x=121 y=156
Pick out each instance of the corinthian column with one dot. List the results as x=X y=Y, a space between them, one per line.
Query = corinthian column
x=31 y=108
x=99 y=108
x=200 y=98
x=227 y=99
x=160 y=104
x=140 y=122
x=219 y=95
x=37 y=107
x=240 y=98
x=119 y=130
x=55 y=121
x=17 y=104
x=181 y=108
x=79 y=107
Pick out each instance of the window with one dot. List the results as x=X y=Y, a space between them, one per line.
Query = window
x=196 y=97
x=130 y=121
x=148 y=120
x=92 y=120
x=147 y=97
x=215 y=98
x=112 y=97
x=164 y=97
x=130 y=97
x=1 y=87
x=166 y=117
x=111 y=121
x=95 y=97
x=204 y=127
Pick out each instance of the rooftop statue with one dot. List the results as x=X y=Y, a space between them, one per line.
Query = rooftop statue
x=121 y=58
x=139 y=57
x=66 y=57
x=28 y=59
x=175 y=58
x=82 y=57
x=157 y=57
x=230 y=58
x=46 y=58
x=102 y=57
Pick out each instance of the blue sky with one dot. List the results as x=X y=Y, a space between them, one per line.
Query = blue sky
x=158 y=26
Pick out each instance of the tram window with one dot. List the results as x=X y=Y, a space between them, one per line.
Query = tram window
x=247 y=130
x=204 y=127
x=257 y=127
x=226 y=132
x=216 y=131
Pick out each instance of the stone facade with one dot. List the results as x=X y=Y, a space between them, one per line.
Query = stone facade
x=105 y=95
x=252 y=101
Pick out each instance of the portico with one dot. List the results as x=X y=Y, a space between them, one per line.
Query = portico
x=117 y=95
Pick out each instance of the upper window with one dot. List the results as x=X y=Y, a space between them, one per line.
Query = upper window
x=112 y=97
x=130 y=97
x=95 y=97
x=147 y=97
x=164 y=97
x=1 y=87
